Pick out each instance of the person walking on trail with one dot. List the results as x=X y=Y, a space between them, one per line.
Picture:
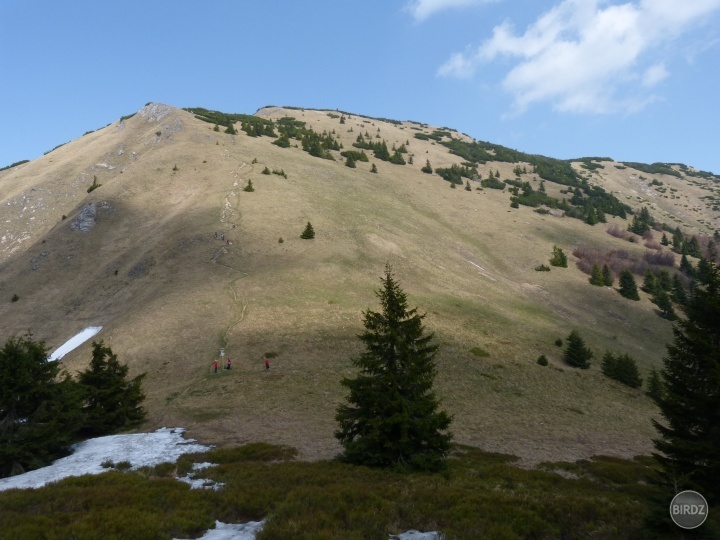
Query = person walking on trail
x=267 y=364
x=229 y=363
x=215 y=365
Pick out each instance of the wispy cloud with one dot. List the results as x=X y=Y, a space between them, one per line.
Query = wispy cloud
x=422 y=9
x=581 y=53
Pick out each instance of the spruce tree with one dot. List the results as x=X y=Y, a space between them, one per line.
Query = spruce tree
x=664 y=240
x=350 y=162
x=577 y=354
x=654 y=385
x=392 y=417
x=467 y=186
x=558 y=258
x=650 y=284
x=621 y=368
x=628 y=288
x=596 y=276
x=664 y=304
x=40 y=413
x=112 y=403
x=689 y=443
x=427 y=169
x=373 y=169
x=308 y=233
x=607 y=275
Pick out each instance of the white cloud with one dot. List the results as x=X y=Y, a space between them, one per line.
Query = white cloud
x=422 y=9
x=581 y=53
x=654 y=74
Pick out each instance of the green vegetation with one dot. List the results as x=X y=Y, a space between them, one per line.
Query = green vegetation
x=94 y=185
x=14 y=298
x=689 y=443
x=654 y=168
x=379 y=149
x=254 y=126
x=43 y=411
x=481 y=495
x=308 y=233
x=456 y=173
x=355 y=155
x=249 y=188
x=15 y=164
x=542 y=268
x=112 y=403
x=392 y=417
x=596 y=276
x=373 y=169
x=628 y=288
x=558 y=258
x=427 y=169
x=576 y=353
x=493 y=183
x=621 y=368
x=607 y=276
x=542 y=360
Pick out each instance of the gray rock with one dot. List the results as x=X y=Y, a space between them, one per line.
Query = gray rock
x=85 y=220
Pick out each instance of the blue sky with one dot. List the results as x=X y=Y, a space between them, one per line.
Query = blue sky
x=633 y=80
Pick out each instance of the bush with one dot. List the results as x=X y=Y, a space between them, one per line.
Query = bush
x=542 y=360
x=280 y=240
x=94 y=185
x=249 y=186
x=266 y=171
x=15 y=298
x=559 y=342
x=542 y=268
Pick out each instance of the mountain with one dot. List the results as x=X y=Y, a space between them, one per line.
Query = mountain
x=154 y=188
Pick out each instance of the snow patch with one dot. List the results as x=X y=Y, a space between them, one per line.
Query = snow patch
x=233 y=531
x=140 y=449
x=74 y=342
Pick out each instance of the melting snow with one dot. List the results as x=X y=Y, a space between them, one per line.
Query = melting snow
x=233 y=531
x=140 y=449
x=74 y=342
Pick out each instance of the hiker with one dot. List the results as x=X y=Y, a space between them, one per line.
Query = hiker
x=229 y=363
x=215 y=365
x=222 y=236
x=267 y=364
x=216 y=235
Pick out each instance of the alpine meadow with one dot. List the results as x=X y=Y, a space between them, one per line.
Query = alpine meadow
x=542 y=325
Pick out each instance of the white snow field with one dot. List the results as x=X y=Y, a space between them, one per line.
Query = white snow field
x=233 y=531
x=74 y=342
x=140 y=449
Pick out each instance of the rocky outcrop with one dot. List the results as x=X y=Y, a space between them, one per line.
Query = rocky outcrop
x=86 y=219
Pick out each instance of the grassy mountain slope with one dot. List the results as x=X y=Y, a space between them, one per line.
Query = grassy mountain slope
x=169 y=294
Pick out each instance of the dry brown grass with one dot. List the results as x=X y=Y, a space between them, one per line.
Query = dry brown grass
x=180 y=294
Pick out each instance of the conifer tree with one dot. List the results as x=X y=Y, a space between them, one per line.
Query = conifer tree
x=112 y=403
x=40 y=414
x=686 y=266
x=373 y=169
x=650 y=284
x=621 y=368
x=467 y=186
x=392 y=417
x=664 y=240
x=679 y=294
x=558 y=258
x=427 y=169
x=308 y=233
x=607 y=275
x=577 y=354
x=596 y=276
x=689 y=443
x=628 y=288
x=249 y=188
x=654 y=385
x=350 y=162
x=664 y=304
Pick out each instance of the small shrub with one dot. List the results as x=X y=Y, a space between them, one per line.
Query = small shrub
x=249 y=186
x=308 y=233
x=266 y=171
x=175 y=168
x=280 y=240
x=94 y=185
x=108 y=464
x=542 y=360
x=254 y=161
x=559 y=342
x=123 y=466
x=373 y=169
x=542 y=268
x=15 y=298
x=63 y=218
x=558 y=258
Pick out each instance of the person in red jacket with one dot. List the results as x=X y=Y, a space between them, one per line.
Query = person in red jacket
x=215 y=365
x=267 y=364
x=228 y=364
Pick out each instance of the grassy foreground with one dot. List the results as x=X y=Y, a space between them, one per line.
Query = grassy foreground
x=480 y=495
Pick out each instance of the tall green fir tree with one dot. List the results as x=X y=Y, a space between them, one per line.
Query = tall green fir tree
x=112 y=403
x=596 y=276
x=40 y=408
x=308 y=233
x=688 y=448
x=576 y=353
x=628 y=287
x=607 y=275
x=392 y=416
